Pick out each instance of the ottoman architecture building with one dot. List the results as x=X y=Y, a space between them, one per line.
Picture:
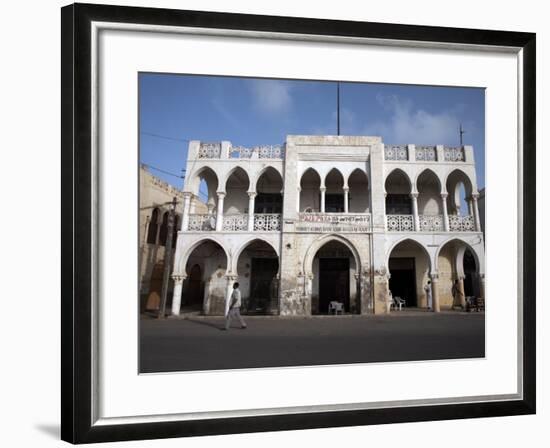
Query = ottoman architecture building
x=324 y=219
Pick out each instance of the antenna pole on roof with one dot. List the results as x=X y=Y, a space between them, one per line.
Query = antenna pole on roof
x=461 y=131
x=338 y=108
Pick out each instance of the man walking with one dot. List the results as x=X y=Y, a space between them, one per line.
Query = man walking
x=234 y=308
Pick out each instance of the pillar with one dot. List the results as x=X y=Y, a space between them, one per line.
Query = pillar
x=346 y=198
x=445 y=212
x=476 y=212
x=219 y=216
x=323 y=189
x=435 y=292
x=251 y=197
x=470 y=206
x=414 y=198
x=298 y=197
x=462 y=295
x=176 y=297
x=193 y=206
x=186 y=205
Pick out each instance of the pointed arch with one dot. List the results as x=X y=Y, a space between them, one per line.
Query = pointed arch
x=320 y=242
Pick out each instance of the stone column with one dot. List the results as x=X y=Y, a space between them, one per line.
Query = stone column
x=445 y=213
x=192 y=208
x=230 y=280
x=186 y=205
x=381 y=291
x=414 y=198
x=219 y=217
x=435 y=293
x=346 y=198
x=470 y=206
x=462 y=295
x=298 y=196
x=176 y=297
x=323 y=189
x=476 y=212
x=251 y=197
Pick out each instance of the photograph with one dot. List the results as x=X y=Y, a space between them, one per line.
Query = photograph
x=290 y=222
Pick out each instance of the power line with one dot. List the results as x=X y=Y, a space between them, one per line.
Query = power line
x=165 y=137
x=163 y=171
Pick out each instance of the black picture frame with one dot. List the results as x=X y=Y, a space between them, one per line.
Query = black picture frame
x=76 y=233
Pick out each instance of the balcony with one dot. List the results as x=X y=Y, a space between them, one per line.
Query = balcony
x=439 y=153
x=429 y=223
x=262 y=222
x=218 y=150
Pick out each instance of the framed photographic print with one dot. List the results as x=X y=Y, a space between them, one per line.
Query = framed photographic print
x=275 y=223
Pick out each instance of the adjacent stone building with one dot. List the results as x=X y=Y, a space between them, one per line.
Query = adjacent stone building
x=326 y=219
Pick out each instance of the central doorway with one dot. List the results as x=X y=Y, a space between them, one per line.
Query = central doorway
x=263 y=286
x=333 y=282
x=403 y=280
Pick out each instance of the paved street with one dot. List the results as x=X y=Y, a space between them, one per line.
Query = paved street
x=198 y=343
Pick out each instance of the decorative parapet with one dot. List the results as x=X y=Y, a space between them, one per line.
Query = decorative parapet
x=454 y=154
x=210 y=150
x=201 y=223
x=426 y=153
x=461 y=223
x=396 y=152
x=431 y=223
x=400 y=223
x=267 y=222
x=235 y=223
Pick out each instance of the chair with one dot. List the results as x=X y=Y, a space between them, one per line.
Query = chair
x=336 y=306
x=399 y=302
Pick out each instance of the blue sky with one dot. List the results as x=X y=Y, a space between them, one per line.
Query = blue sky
x=249 y=112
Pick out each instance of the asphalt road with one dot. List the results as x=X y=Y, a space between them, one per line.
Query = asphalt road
x=200 y=344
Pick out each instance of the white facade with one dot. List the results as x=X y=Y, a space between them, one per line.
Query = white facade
x=328 y=218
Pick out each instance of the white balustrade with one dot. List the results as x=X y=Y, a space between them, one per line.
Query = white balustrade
x=267 y=222
x=240 y=152
x=235 y=223
x=201 y=223
x=426 y=153
x=453 y=154
x=461 y=223
x=396 y=152
x=431 y=223
x=271 y=151
x=400 y=223
x=210 y=150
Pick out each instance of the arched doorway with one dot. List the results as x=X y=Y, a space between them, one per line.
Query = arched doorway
x=334 y=267
x=155 y=287
x=257 y=268
x=471 y=277
x=206 y=283
x=409 y=266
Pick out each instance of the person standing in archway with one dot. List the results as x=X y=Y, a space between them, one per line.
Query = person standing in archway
x=428 y=290
x=234 y=308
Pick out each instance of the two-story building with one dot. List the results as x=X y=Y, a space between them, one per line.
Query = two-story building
x=328 y=218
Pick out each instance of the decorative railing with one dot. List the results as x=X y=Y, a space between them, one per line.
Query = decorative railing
x=267 y=222
x=453 y=154
x=426 y=153
x=271 y=151
x=210 y=150
x=240 y=152
x=461 y=223
x=201 y=223
x=431 y=223
x=400 y=223
x=334 y=222
x=396 y=152
x=235 y=223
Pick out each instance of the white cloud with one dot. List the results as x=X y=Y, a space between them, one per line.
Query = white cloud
x=409 y=125
x=271 y=96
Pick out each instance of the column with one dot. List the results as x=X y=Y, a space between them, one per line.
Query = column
x=230 y=280
x=251 y=197
x=414 y=198
x=176 y=297
x=323 y=189
x=298 y=197
x=461 y=289
x=435 y=292
x=193 y=206
x=476 y=212
x=470 y=206
x=445 y=213
x=186 y=205
x=219 y=216
x=346 y=199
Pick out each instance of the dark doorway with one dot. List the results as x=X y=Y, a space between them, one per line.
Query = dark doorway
x=334 y=203
x=193 y=294
x=263 y=286
x=403 y=280
x=471 y=283
x=333 y=282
